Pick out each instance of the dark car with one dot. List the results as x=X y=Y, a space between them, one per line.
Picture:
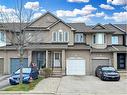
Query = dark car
x=107 y=73
x=28 y=75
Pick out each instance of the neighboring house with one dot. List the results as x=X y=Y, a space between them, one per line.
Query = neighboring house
x=68 y=48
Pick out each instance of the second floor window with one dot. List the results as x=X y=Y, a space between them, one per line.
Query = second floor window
x=99 y=38
x=60 y=36
x=2 y=36
x=114 y=39
x=79 y=38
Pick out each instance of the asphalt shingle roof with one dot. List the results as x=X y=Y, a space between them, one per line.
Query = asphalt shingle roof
x=80 y=27
x=122 y=26
x=12 y=26
x=111 y=27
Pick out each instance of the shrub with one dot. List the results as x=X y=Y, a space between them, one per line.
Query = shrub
x=47 y=72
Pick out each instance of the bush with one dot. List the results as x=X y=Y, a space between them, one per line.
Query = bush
x=47 y=72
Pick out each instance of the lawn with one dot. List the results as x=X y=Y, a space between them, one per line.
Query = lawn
x=24 y=87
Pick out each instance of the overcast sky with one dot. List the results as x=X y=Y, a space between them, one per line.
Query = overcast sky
x=88 y=11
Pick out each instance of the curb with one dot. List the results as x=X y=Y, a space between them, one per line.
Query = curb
x=41 y=93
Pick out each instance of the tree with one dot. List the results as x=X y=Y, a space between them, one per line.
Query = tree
x=19 y=17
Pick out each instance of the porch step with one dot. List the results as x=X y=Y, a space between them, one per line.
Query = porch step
x=57 y=72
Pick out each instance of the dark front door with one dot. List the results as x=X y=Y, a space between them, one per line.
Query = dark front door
x=38 y=57
x=121 y=61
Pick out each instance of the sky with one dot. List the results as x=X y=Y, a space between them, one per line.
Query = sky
x=87 y=11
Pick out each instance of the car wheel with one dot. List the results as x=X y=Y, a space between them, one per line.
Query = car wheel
x=118 y=79
x=11 y=84
x=37 y=77
x=96 y=74
x=102 y=78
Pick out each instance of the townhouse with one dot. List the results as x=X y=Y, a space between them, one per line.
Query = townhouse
x=66 y=48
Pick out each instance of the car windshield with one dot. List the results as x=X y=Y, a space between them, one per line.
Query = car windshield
x=24 y=70
x=108 y=69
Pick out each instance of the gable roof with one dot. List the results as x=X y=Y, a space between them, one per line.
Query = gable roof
x=102 y=29
x=42 y=17
x=100 y=25
x=58 y=22
x=122 y=27
x=115 y=28
x=51 y=25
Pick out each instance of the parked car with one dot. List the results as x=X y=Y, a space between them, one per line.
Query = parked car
x=107 y=73
x=28 y=75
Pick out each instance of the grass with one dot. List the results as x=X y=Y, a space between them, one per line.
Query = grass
x=24 y=87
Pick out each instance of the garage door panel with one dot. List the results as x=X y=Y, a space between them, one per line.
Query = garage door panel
x=75 y=67
x=97 y=62
x=15 y=64
x=1 y=66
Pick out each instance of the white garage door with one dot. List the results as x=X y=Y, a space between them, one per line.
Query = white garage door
x=75 y=67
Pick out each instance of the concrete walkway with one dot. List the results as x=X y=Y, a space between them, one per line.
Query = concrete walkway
x=49 y=85
x=81 y=85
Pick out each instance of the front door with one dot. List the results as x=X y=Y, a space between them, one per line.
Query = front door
x=121 y=61
x=57 y=59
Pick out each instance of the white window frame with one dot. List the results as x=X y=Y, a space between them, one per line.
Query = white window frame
x=78 y=38
x=60 y=39
x=66 y=36
x=2 y=37
x=97 y=38
x=63 y=37
x=115 y=40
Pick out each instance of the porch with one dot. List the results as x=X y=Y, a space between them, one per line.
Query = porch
x=54 y=59
x=120 y=62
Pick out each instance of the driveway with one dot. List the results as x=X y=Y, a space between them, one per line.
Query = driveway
x=4 y=81
x=81 y=85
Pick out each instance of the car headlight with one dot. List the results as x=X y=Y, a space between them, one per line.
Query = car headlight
x=11 y=78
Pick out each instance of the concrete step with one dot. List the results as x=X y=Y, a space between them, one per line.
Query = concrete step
x=56 y=75
x=57 y=72
x=57 y=69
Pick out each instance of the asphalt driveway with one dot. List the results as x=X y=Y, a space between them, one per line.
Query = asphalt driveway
x=82 y=85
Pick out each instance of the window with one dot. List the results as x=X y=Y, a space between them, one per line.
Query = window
x=114 y=39
x=2 y=36
x=94 y=39
x=54 y=36
x=79 y=37
x=60 y=36
x=66 y=36
x=99 y=38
